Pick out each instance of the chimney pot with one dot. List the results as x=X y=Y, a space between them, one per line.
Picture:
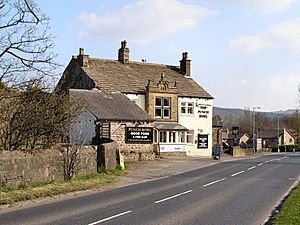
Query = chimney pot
x=83 y=59
x=123 y=55
x=81 y=51
x=185 y=64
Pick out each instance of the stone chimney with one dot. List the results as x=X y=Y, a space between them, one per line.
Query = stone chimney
x=185 y=64
x=123 y=55
x=83 y=59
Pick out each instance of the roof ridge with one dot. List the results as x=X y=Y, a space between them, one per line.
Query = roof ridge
x=135 y=62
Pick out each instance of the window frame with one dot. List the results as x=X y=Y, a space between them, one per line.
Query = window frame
x=186 y=109
x=189 y=137
x=162 y=108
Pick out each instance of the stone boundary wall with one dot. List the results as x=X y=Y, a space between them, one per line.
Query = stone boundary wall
x=131 y=152
x=240 y=152
x=18 y=168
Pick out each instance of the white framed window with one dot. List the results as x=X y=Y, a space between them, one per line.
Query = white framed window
x=187 y=108
x=172 y=136
x=162 y=107
x=163 y=136
x=181 y=137
x=190 y=136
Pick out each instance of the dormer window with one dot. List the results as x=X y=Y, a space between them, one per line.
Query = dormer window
x=162 y=107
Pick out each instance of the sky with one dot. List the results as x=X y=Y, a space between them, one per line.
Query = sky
x=245 y=53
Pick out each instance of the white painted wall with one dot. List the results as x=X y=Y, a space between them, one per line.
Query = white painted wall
x=192 y=122
x=140 y=100
x=200 y=122
x=83 y=130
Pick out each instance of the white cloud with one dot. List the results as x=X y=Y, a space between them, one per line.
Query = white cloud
x=266 y=6
x=282 y=35
x=270 y=93
x=144 y=21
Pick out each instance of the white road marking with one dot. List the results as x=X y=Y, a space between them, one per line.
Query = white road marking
x=235 y=174
x=267 y=161
x=251 y=168
x=109 y=218
x=174 y=196
x=214 y=182
x=260 y=164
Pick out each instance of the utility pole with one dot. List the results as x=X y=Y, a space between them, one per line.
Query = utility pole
x=253 y=126
x=297 y=128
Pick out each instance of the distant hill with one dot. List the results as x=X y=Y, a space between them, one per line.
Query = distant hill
x=236 y=113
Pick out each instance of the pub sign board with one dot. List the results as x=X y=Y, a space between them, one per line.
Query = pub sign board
x=202 y=141
x=139 y=135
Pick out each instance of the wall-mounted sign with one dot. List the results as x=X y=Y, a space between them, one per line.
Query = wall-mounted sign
x=202 y=141
x=139 y=135
x=172 y=148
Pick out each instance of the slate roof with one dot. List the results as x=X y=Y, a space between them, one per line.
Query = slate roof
x=132 y=77
x=169 y=126
x=110 y=106
x=269 y=134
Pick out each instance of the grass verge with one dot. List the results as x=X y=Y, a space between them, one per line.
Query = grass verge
x=290 y=212
x=99 y=181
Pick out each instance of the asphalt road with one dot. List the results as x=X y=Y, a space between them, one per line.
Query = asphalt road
x=232 y=193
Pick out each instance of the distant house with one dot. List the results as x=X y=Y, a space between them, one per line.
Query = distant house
x=181 y=108
x=272 y=138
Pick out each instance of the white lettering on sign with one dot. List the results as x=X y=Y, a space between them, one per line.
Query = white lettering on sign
x=203 y=145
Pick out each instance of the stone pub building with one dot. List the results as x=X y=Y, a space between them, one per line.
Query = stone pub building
x=181 y=109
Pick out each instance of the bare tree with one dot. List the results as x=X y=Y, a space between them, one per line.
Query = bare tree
x=245 y=122
x=34 y=119
x=71 y=160
x=25 y=43
x=71 y=155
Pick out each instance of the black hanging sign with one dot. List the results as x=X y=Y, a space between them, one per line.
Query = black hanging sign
x=202 y=141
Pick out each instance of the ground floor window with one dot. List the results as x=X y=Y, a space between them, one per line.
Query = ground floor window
x=181 y=136
x=190 y=136
x=171 y=136
x=155 y=136
x=163 y=136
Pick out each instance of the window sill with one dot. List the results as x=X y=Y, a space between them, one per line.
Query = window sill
x=185 y=114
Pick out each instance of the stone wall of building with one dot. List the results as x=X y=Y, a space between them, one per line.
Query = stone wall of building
x=217 y=136
x=131 y=152
x=18 y=168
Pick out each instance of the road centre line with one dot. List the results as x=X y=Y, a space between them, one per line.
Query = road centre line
x=174 y=196
x=109 y=218
x=214 y=182
x=235 y=174
x=251 y=168
x=267 y=161
x=260 y=164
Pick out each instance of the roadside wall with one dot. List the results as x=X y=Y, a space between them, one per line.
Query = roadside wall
x=240 y=152
x=18 y=168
